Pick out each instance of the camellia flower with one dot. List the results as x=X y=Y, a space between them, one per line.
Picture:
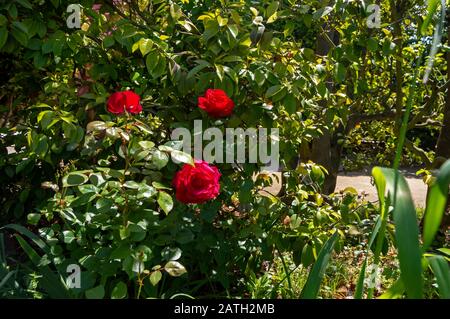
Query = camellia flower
x=216 y=103
x=197 y=184
x=126 y=100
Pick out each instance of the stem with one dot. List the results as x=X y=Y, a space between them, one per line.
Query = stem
x=286 y=270
x=398 y=154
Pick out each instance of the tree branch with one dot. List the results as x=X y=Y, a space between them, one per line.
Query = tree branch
x=417 y=151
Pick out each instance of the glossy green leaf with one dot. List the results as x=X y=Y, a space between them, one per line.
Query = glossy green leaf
x=441 y=270
x=312 y=285
x=96 y=292
x=155 y=277
x=165 y=201
x=174 y=268
x=119 y=291
x=74 y=179
x=436 y=204
x=406 y=229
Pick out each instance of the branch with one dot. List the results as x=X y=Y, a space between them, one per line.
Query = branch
x=429 y=122
x=417 y=151
x=358 y=118
x=425 y=109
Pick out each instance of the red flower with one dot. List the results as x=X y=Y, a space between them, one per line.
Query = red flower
x=197 y=184
x=126 y=100
x=216 y=103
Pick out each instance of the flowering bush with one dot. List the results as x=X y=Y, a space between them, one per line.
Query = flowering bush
x=128 y=101
x=216 y=103
x=92 y=170
x=196 y=184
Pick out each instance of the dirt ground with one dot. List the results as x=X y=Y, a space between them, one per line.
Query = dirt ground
x=362 y=182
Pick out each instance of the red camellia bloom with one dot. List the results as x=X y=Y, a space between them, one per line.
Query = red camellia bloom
x=126 y=100
x=216 y=103
x=197 y=184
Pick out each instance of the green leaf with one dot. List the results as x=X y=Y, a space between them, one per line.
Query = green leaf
x=272 y=9
x=394 y=292
x=159 y=159
x=19 y=32
x=290 y=103
x=155 y=277
x=144 y=45
x=158 y=185
x=406 y=229
x=339 y=72
x=436 y=204
x=174 y=268
x=165 y=201
x=96 y=179
x=131 y=184
x=69 y=236
x=273 y=90
x=181 y=157
x=372 y=44
x=359 y=290
x=322 y=12
x=146 y=145
x=211 y=29
x=94 y=125
x=3 y=36
x=431 y=10
x=74 y=179
x=441 y=271
x=49 y=281
x=33 y=219
x=151 y=61
x=96 y=292
x=146 y=191
x=119 y=291
x=25 y=4
x=202 y=64
x=22 y=230
x=234 y=31
x=312 y=285
x=108 y=41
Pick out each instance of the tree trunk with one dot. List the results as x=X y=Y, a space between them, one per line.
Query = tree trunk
x=325 y=150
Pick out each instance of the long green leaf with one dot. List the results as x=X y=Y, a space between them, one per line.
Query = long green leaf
x=359 y=291
x=406 y=229
x=436 y=203
x=441 y=270
x=311 y=288
x=431 y=10
x=25 y=232
x=395 y=291
x=50 y=282
x=437 y=36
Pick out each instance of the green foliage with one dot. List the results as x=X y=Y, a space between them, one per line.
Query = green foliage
x=95 y=189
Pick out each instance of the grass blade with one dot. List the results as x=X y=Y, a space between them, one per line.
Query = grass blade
x=431 y=10
x=52 y=283
x=437 y=36
x=359 y=291
x=25 y=232
x=406 y=229
x=441 y=270
x=311 y=288
x=394 y=292
x=436 y=204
